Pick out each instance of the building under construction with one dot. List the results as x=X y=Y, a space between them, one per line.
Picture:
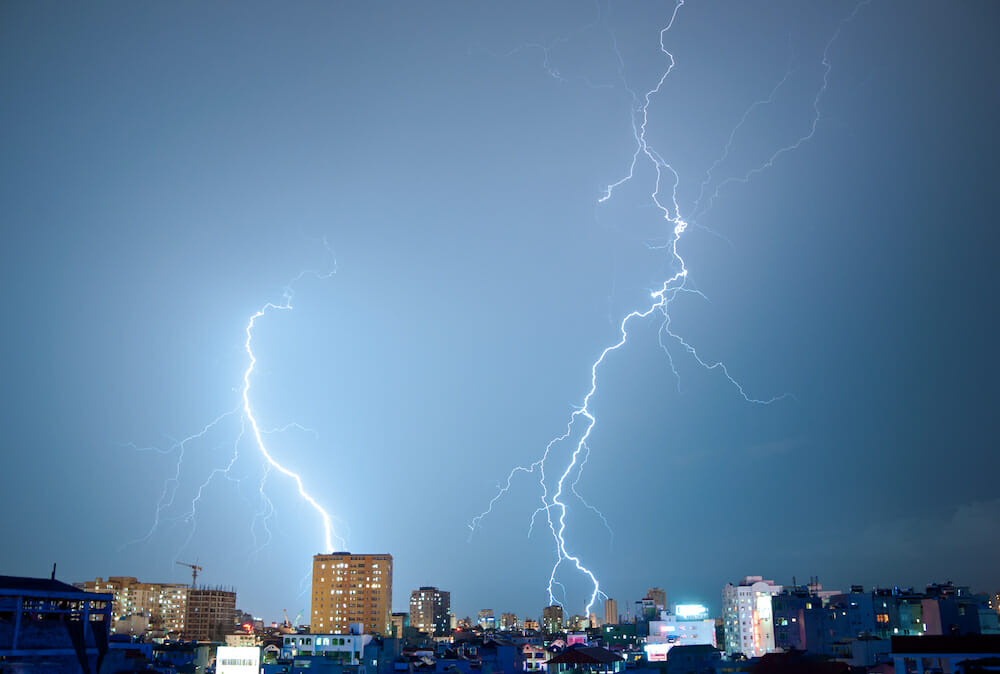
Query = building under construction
x=171 y=609
x=211 y=614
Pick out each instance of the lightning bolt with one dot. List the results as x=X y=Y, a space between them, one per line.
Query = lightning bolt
x=553 y=505
x=171 y=484
x=264 y=514
x=247 y=421
x=328 y=531
x=267 y=506
x=732 y=136
x=191 y=516
x=547 y=50
x=795 y=145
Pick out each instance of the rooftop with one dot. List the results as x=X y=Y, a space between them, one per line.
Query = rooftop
x=934 y=643
x=585 y=655
x=22 y=584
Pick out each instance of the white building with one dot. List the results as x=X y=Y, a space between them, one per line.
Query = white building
x=688 y=625
x=237 y=660
x=534 y=658
x=747 y=615
x=347 y=649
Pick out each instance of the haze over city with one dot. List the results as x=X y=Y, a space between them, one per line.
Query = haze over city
x=418 y=192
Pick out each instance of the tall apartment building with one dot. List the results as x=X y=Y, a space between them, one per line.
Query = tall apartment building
x=349 y=589
x=508 y=622
x=211 y=614
x=164 y=604
x=430 y=611
x=659 y=597
x=552 y=619
x=748 y=616
x=486 y=619
x=610 y=611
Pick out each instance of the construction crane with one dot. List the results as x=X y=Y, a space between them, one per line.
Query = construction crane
x=194 y=572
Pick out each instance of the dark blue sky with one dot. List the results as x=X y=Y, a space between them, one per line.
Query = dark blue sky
x=167 y=168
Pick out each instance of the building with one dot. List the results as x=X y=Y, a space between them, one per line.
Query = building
x=954 y=609
x=943 y=653
x=48 y=625
x=645 y=609
x=748 y=616
x=349 y=589
x=242 y=640
x=237 y=659
x=610 y=611
x=211 y=614
x=530 y=624
x=430 y=611
x=622 y=637
x=487 y=620
x=586 y=660
x=855 y=626
x=659 y=597
x=343 y=649
x=534 y=658
x=796 y=613
x=552 y=619
x=693 y=659
x=508 y=622
x=332 y=654
x=164 y=605
x=496 y=655
x=179 y=656
x=400 y=621
x=688 y=625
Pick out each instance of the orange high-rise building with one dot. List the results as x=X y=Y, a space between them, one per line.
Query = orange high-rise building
x=349 y=589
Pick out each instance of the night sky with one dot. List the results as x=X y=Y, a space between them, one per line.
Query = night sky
x=168 y=168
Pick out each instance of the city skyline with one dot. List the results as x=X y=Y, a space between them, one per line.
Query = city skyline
x=420 y=600
x=410 y=241
x=804 y=628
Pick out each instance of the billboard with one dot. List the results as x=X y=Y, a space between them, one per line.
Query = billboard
x=691 y=611
x=237 y=660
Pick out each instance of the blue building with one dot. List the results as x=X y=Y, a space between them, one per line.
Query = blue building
x=48 y=625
